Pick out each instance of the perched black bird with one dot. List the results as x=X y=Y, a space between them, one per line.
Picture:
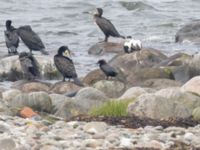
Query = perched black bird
x=31 y=39
x=11 y=38
x=105 y=25
x=65 y=65
x=29 y=65
x=107 y=69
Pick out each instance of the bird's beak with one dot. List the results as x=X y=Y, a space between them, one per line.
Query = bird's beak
x=67 y=53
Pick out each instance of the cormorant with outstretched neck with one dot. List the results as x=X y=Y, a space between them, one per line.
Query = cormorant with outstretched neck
x=105 y=25
x=65 y=65
x=11 y=37
x=29 y=65
x=107 y=69
x=31 y=39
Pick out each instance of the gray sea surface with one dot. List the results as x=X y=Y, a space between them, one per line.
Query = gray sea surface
x=67 y=22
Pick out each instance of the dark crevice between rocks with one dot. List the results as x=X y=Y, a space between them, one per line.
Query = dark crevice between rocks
x=136 y=122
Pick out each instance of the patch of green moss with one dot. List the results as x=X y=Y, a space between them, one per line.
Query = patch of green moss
x=115 y=108
x=169 y=72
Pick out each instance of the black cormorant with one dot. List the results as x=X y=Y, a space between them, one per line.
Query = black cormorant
x=11 y=37
x=131 y=45
x=29 y=65
x=107 y=69
x=105 y=25
x=31 y=39
x=65 y=65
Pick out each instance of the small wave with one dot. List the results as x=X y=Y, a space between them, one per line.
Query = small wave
x=136 y=5
x=60 y=33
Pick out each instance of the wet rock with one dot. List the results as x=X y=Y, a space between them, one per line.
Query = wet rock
x=145 y=57
x=95 y=127
x=157 y=107
x=133 y=93
x=112 y=88
x=196 y=113
x=34 y=87
x=7 y=144
x=101 y=48
x=90 y=97
x=93 y=76
x=64 y=87
x=192 y=85
x=36 y=100
x=161 y=83
x=10 y=94
x=10 y=68
x=189 y=32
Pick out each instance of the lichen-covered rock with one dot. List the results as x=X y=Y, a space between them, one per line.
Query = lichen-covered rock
x=36 y=100
x=111 y=88
x=157 y=107
x=90 y=97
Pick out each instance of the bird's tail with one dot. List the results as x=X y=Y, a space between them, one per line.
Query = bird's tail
x=78 y=82
x=44 y=52
x=123 y=37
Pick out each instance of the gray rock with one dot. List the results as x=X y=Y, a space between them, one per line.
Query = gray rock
x=10 y=68
x=133 y=93
x=95 y=127
x=90 y=97
x=37 y=100
x=10 y=94
x=192 y=85
x=69 y=108
x=57 y=100
x=7 y=144
x=161 y=83
x=189 y=32
x=112 y=88
x=187 y=99
x=157 y=107
x=196 y=113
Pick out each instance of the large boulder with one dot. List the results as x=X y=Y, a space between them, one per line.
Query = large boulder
x=90 y=97
x=64 y=88
x=157 y=107
x=37 y=100
x=10 y=94
x=187 y=99
x=143 y=58
x=192 y=85
x=111 y=88
x=101 y=48
x=160 y=83
x=10 y=68
x=189 y=32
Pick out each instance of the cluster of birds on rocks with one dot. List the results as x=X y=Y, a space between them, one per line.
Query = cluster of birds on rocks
x=62 y=59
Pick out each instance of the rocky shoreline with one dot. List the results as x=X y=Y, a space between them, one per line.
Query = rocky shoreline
x=163 y=113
